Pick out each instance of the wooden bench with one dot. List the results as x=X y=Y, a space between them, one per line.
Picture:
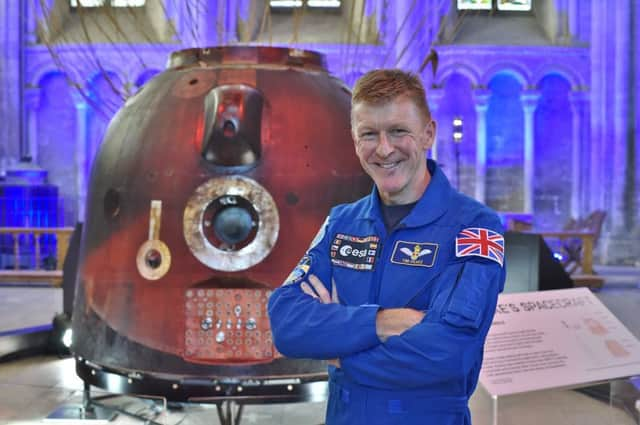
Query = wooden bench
x=578 y=240
x=587 y=238
x=591 y=281
x=36 y=274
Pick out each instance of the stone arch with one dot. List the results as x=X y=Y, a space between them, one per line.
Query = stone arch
x=107 y=67
x=41 y=71
x=101 y=83
x=574 y=78
x=464 y=69
x=45 y=83
x=515 y=70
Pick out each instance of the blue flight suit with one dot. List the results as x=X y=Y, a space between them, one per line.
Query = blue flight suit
x=427 y=374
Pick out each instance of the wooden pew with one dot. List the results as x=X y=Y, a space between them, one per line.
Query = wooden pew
x=577 y=242
x=36 y=274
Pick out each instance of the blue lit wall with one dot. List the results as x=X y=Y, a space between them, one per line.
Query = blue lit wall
x=596 y=61
x=553 y=144
x=457 y=102
x=56 y=140
x=505 y=144
x=104 y=102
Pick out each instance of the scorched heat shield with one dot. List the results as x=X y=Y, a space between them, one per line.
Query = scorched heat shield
x=207 y=190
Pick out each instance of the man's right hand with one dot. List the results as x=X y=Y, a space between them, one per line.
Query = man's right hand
x=395 y=321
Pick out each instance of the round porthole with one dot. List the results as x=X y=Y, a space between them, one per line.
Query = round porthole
x=231 y=223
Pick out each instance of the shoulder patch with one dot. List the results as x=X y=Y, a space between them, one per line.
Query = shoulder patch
x=300 y=272
x=480 y=242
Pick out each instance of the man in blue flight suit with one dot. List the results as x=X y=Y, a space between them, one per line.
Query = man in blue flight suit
x=398 y=289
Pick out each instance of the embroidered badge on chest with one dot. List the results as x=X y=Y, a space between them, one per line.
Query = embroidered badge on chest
x=354 y=252
x=421 y=254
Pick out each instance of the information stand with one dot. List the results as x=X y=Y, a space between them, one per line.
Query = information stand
x=561 y=339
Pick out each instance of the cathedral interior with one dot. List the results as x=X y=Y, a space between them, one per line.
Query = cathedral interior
x=109 y=167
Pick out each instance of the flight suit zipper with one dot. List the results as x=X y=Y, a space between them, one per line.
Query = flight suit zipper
x=378 y=271
x=374 y=294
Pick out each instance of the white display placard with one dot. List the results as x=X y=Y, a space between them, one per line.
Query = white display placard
x=553 y=339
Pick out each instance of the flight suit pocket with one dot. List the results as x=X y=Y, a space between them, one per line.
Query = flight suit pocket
x=468 y=301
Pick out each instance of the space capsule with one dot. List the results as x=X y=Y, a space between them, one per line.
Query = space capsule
x=208 y=188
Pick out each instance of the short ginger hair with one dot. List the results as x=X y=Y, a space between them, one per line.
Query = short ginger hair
x=384 y=85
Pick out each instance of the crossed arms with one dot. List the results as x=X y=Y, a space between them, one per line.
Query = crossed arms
x=388 y=348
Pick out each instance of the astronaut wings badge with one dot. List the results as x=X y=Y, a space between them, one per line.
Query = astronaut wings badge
x=480 y=242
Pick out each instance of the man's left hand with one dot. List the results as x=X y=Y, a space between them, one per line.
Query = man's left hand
x=316 y=289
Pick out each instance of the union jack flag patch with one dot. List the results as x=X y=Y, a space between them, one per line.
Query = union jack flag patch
x=480 y=242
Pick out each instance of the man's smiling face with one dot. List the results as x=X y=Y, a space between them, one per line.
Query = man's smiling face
x=391 y=141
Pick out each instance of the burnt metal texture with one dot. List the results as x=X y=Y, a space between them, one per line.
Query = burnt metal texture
x=241 y=151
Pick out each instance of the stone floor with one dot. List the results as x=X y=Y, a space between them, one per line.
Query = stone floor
x=31 y=388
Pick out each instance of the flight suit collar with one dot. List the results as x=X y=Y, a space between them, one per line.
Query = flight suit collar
x=431 y=206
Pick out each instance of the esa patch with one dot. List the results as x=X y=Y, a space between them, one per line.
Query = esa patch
x=480 y=242
x=421 y=254
x=300 y=272
x=354 y=252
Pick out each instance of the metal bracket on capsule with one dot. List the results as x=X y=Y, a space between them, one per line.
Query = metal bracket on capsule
x=154 y=258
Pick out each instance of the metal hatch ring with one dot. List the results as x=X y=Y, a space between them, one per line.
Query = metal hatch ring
x=195 y=229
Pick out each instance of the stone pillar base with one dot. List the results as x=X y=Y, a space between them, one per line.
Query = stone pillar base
x=621 y=247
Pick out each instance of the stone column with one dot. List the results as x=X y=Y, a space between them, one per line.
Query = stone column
x=164 y=17
x=635 y=70
x=562 y=27
x=611 y=165
x=34 y=16
x=10 y=79
x=481 y=99
x=249 y=18
x=229 y=15
x=176 y=12
x=624 y=179
x=38 y=25
x=82 y=109
x=529 y=99
x=50 y=19
x=32 y=104
x=434 y=97
x=579 y=143
x=438 y=12
x=202 y=24
x=404 y=28
x=373 y=30
x=574 y=22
